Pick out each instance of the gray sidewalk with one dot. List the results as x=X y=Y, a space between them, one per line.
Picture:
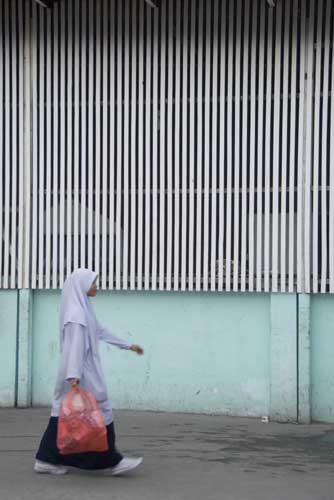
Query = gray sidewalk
x=186 y=457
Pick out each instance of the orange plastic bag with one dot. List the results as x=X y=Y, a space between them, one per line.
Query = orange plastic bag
x=80 y=424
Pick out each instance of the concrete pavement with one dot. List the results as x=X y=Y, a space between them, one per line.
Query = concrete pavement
x=186 y=457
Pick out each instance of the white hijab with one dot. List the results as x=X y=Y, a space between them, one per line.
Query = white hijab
x=75 y=305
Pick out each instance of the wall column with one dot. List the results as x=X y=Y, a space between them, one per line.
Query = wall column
x=8 y=344
x=304 y=359
x=24 y=348
x=283 y=358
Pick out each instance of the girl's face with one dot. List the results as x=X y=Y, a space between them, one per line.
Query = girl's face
x=92 y=290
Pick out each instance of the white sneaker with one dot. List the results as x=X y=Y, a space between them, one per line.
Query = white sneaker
x=125 y=465
x=46 y=468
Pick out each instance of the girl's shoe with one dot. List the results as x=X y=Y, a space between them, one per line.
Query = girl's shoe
x=125 y=465
x=46 y=468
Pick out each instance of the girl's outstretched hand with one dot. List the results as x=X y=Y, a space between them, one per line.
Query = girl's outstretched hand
x=136 y=348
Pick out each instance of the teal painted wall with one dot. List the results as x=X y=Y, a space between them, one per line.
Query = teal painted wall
x=204 y=352
x=8 y=336
x=241 y=354
x=322 y=357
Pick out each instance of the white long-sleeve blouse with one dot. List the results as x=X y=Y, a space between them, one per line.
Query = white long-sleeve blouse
x=78 y=360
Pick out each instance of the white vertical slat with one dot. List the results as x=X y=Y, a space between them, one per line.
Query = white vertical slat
x=155 y=166
x=83 y=139
x=253 y=97
x=184 y=141
x=302 y=152
x=2 y=136
x=140 y=150
x=260 y=148
x=169 y=153
x=177 y=155
x=324 y=156
x=20 y=148
x=267 y=249
x=104 y=229
x=207 y=145
x=133 y=140
x=126 y=146
x=276 y=149
x=7 y=122
x=286 y=129
x=6 y=164
x=293 y=150
x=98 y=187
x=199 y=148
x=55 y=108
x=34 y=173
x=162 y=146
x=49 y=152
x=27 y=152
x=62 y=145
x=222 y=146
x=14 y=163
x=331 y=185
x=192 y=145
x=316 y=150
x=112 y=125
x=229 y=147
x=119 y=145
x=14 y=172
x=245 y=161
x=147 y=149
x=214 y=145
x=76 y=145
x=41 y=149
x=90 y=119
x=237 y=156
x=308 y=148
x=69 y=153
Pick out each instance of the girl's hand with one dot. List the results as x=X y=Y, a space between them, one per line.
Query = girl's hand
x=74 y=382
x=136 y=348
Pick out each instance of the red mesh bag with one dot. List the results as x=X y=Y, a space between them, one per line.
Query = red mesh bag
x=80 y=424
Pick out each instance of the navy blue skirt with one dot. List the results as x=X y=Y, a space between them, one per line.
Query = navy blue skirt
x=48 y=451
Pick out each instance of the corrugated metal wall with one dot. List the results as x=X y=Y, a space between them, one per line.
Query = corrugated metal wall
x=189 y=147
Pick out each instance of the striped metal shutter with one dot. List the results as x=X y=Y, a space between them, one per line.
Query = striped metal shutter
x=183 y=148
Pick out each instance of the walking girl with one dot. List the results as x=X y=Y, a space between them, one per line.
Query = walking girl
x=80 y=363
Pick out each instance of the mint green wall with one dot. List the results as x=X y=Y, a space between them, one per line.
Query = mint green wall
x=8 y=336
x=204 y=352
x=241 y=354
x=322 y=357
